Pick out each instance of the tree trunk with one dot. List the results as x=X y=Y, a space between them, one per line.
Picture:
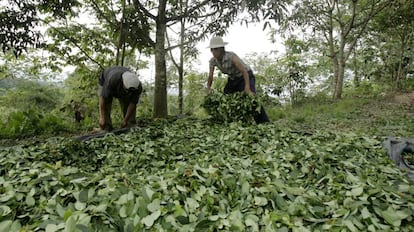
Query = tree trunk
x=400 y=70
x=181 y=69
x=339 y=80
x=160 y=88
x=341 y=57
x=121 y=40
x=357 y=80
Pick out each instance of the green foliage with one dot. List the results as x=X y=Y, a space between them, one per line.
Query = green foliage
x=30 y=109
x=31 y=122
x=231 y=107
x=375 y=115
x=23 y=94
x=407 y=85
x=19 y=18
x=81 y=94
x=190 y=175
x=145 y=107
x=367 y=89
x=194 y=89
x=286 y=77
x=276 y=113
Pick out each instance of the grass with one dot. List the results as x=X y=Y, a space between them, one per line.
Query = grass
x=370 y=116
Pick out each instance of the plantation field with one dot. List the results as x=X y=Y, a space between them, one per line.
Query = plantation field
x=194 y=175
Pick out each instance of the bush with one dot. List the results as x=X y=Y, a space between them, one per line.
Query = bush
x=31 y=122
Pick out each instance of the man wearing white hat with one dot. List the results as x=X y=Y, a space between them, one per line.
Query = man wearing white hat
x=240 y=75
x=121 y=83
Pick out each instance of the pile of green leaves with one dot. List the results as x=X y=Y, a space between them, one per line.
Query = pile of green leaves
x=227 y=108
x=192 y=176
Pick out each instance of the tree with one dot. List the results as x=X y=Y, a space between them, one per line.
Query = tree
x=394 y=27
x=210 y=16
x=286 y=76
x=340 y=24
x=118 y=33
x=18 y=18
x=127 y=25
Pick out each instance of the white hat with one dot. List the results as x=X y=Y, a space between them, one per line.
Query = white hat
x=130 y=80
x=217 y=42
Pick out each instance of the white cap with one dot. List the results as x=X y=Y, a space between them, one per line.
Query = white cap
x=130 y=80
x=217 y=42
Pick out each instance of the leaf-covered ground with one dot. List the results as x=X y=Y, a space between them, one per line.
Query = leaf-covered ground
x=191 y=175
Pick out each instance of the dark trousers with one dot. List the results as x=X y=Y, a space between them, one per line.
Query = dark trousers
x=237 y=85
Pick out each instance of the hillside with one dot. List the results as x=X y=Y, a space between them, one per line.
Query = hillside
x=301 y=172
x=389 y=115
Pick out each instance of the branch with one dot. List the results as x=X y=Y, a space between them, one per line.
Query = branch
x=363 y=25
x=102 y=14
x=141 y=7
x=190 y=11
x=351 y=23
x=170 y=51
x=70 y=39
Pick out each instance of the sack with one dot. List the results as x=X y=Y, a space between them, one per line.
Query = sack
x=401 y=151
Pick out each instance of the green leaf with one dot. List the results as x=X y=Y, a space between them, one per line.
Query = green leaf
x=204 y=224
x=80 y=206
x=123 y=212
x=154 y=205
x=394 y=217
x=260 y=201
x=82 y=228
x=150 y=219
x=5 y=210
x=246 y=188
x=10 y=226
x=7 y=196
x=365 y=213
x=192 y=204
x=30 y=201
x=252 y=221
x=70 y=224
x=357 y=191
x=60 y=210
x=236 y=220
x=51 y=228
x=67 y=214
x=183 y=220
x=350 y=225
x=147 y=193
x=83 y=196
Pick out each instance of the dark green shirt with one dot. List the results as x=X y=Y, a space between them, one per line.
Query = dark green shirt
x=112 y=85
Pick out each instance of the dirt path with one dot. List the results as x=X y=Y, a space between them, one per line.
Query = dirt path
x=404 y=98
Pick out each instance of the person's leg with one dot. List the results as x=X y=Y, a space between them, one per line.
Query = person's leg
x=232 y=86
x=108 y=119
x=262 y=116
x=108 y=107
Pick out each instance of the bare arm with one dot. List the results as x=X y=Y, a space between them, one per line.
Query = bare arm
x=130 y=111
x=237 y=62
x=210 y=79
x=102 y=112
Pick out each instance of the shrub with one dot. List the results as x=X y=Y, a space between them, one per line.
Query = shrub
x=31 y=122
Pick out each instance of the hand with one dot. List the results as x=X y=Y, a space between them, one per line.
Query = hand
x=124 y=124
x=247 y=90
